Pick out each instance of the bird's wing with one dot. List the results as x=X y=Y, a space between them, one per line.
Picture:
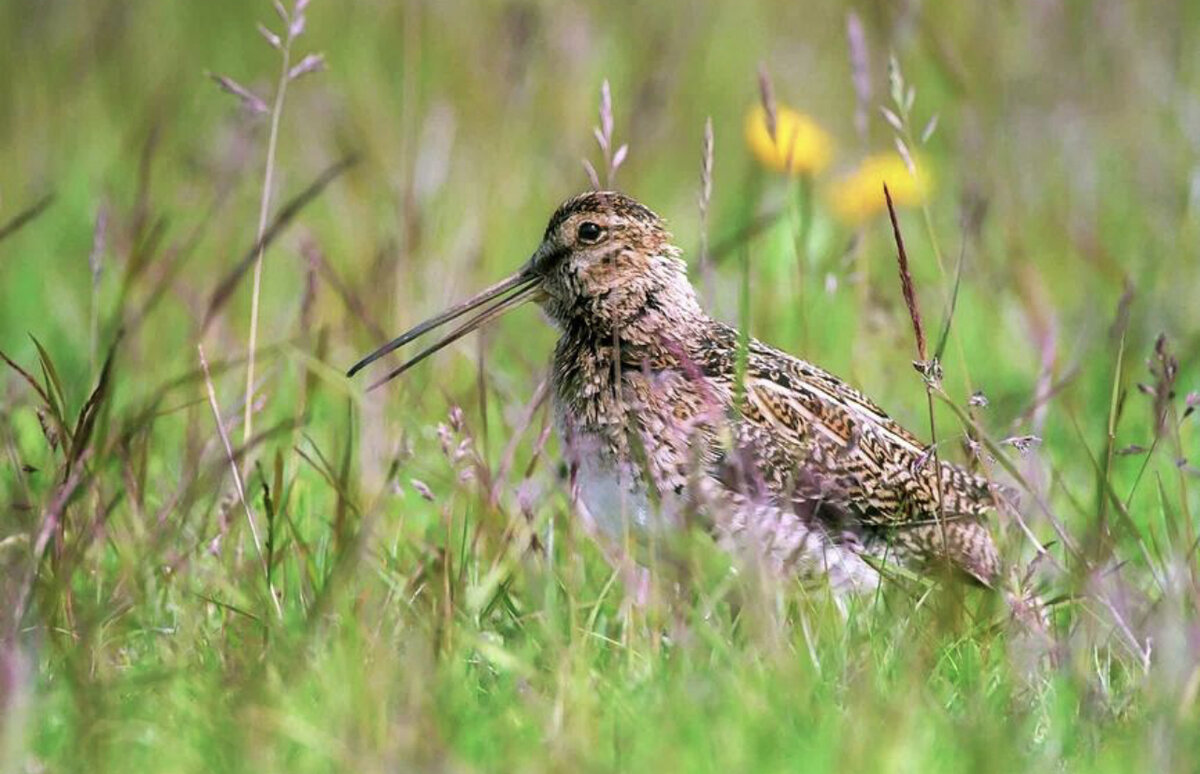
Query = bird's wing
x=831 y=442
x=889 y=472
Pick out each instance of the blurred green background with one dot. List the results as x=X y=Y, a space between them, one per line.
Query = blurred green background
x=417 y=631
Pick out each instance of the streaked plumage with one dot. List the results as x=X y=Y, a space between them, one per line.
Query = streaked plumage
x=794 y=465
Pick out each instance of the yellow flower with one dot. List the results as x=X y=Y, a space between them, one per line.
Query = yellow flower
x=859 y=195
x=799 y=147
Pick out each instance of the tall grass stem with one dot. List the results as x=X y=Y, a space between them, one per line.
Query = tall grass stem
x=264 y=207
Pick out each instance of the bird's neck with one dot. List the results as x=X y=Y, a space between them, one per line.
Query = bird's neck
x=651 y=323
x=591 y=355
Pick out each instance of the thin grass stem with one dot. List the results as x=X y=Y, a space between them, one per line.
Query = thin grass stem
x=264 y=208
x=237 y=479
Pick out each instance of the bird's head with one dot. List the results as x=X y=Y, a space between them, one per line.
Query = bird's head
x=606 y=262
x=606 y=266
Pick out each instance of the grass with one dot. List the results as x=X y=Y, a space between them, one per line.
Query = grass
x=424 y=597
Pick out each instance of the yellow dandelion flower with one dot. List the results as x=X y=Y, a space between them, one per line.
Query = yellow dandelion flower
x=800 y=145
x=859 y=195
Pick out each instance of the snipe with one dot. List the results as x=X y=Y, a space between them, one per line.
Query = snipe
x=791 y=463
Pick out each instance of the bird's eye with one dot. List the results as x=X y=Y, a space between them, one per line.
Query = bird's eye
x=590 y=232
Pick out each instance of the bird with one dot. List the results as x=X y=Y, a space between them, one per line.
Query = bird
x=667 y=417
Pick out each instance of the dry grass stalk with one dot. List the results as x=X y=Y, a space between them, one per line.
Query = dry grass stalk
x=906 y=281
x=929 y=370
x=237 y=478
x=51 y=519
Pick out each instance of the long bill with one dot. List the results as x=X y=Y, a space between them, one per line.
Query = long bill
x=496 y=300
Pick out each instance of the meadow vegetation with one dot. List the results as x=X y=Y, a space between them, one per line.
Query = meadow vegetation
x=207 y=567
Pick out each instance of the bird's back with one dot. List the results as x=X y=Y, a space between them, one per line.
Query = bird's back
x=825 y=446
